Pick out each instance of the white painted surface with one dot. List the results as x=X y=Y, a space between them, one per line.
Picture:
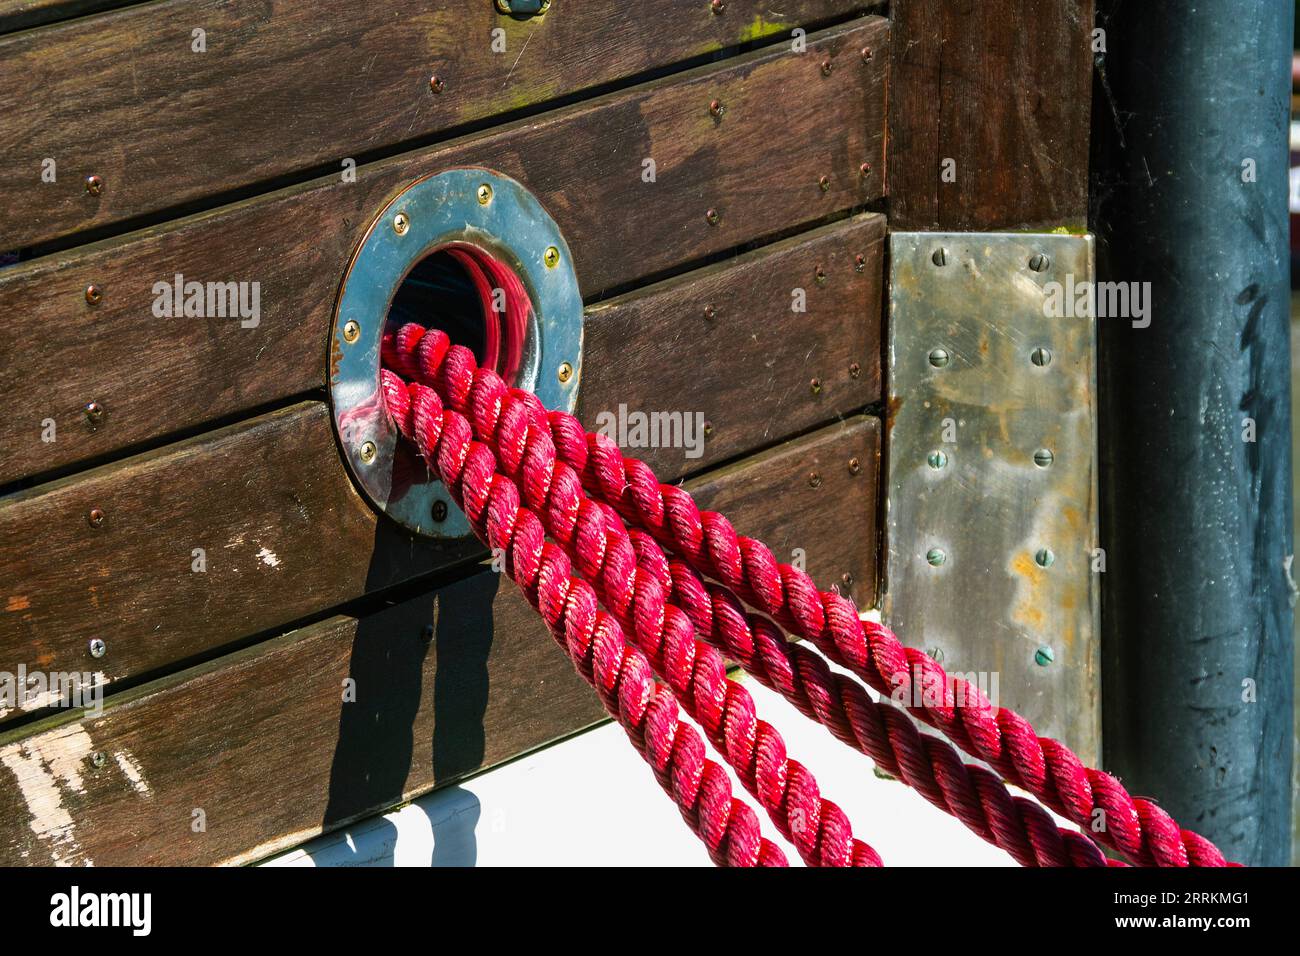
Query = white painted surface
x=591 y=800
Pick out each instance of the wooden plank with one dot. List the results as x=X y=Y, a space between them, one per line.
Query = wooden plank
x=1003 y=90
x=285 y=536
x=285 y=87
x=759 y=166
x=261 y=742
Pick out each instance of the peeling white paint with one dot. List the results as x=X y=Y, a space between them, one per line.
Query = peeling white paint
x=48 y=768
x=268 y=557
x=133 y=773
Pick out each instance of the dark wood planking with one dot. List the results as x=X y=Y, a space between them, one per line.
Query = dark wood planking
x=786 y=126
x=285 y=86
x=285 y=536
x=263 y=745
x=1003 y=87
x=24 y=14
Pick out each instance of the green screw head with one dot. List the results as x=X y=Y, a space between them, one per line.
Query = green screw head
x=1044 y=656
x=938 y=460
x=936 y=557
x=1044 y=557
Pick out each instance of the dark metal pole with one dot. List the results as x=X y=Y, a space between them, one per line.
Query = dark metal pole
x=1190 y=194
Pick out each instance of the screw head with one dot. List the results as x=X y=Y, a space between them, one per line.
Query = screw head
x=1043 y=457
x=937 y=460
x=94 y=185
x=94 y=412
x=1044 y=656
x=825 y=183
x=97 y=647
x=436 y=84
x=439 y=511
x=855 y=370
x=708 y=429
x=484 y=194
x=846 y=579
x=712 y=217
x=940 y=256
x=935 y=557
x=351 y=331
x=710 y=312
x=864 y=170
x=551 y=257
x=814 y=480
x=94 y=294
x=1041 y=357
x=368 y=452
x=827 y=66
x=820 y=276
x=1039 y=262
x=96 y=517
x=98 y=759
x=935 y=654
x=939 y=358
x=859 y=262
x=565 y=372
x=717 y=109
x=717 y=6
x=855 y=466
x=1044 y=558
x=866 y=54
x=815 y=386
x=401 y=224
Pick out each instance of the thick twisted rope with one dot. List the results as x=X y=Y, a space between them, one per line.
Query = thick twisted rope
x=694 y=670
x=636 y=585
x=707 y=541
x=619 y=673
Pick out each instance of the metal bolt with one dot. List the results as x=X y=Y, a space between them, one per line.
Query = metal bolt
x=717 y=109
x=484 y=194
x=935 y=557
x=565 y=372
x=1041 y=357
x=96 y=517
x=825 y=183
x=940 y=257
x=1044 y=656
x=865 y=169
x=94 y=185
x=846 y=579
x=1043 y=457
x=939 y=358
x=855 y=466
x=436 y=84
x=712 y=217
x=1044 y=557
x=866 y=54
x=94 y=412
x=401 y=224
x=98 y=759
x=855 y=370
x=439 y=511
x=368 y=452
x=815 y=386
x=814 y=480
x=827 y=66
x=1039 y=262
x=938 y=460
x=551 y=257
x=710 y=312
x=97 y=647
x=351 y=331
x=717 y=6
x=94 y=294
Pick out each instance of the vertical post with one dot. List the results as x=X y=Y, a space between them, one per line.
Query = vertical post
x=1189 y=190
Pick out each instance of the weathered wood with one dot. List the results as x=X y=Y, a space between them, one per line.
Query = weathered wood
x=284 y=536
x=23 y=14
x=285 y=87
x=759 y=166
x=261 y=744
x=1001 y=89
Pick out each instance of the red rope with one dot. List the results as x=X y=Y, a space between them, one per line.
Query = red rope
x=708 y=542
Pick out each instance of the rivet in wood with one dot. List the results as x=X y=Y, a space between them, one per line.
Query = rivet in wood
x=368 y=452
x=401 y=224
x=935 y=557
x=937 y=460
x=565 y=372
x=855 y=370
x=859 y=262
x=98 y=759
x=866 y=54
x=94 y=185
x=1041 y=357
x=97 y=647
x=717 y=109
x=94 y=412
x=825 y=183
x=820 y=276
x=94 y=294
x=712 y=217
x=855 y=466
x=436 y=84
x=551 y=257
x=1044 y=558
x=439 y=511
x=827 y=66
x=939 y=358
x=484 y=194
x=1039 y=262
x=710 y=312
x=96 y=517
x=864 y=170
x=940 y=257
x=1044 y=656
x=351 y=331
x=718 y=7
x=814 y=480
x=815 y=386
x=1043 y=457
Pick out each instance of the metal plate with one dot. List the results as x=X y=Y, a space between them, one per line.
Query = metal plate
x=440 y=210
x=989 y=548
